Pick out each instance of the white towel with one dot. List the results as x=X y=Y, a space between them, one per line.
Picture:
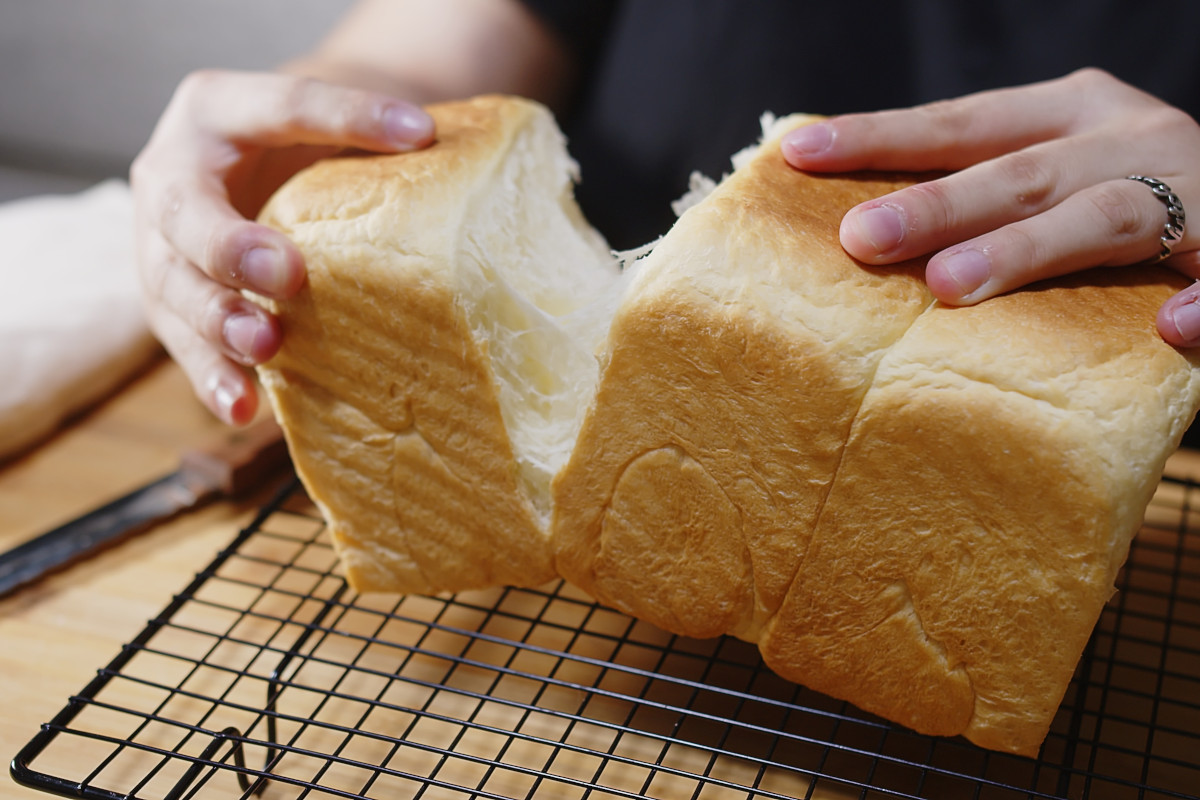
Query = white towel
x=71 y=323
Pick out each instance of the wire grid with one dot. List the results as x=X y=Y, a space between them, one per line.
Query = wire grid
x=267 y=676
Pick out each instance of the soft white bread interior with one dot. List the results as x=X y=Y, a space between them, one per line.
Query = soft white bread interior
x=437 y=365
x=916 y=508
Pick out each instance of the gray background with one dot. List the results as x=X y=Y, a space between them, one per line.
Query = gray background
x=82 y=82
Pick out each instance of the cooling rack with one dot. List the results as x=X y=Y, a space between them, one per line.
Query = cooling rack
x=267 y=676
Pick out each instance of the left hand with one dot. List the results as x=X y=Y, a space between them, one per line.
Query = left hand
x=1038 y=186
x=224 y=143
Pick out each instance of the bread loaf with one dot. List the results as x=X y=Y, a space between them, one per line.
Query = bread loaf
x=916 y=508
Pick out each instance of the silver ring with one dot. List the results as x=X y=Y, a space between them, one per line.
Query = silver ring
x=1173 y=230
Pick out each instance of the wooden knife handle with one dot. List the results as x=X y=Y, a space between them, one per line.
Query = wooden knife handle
x=241 y=459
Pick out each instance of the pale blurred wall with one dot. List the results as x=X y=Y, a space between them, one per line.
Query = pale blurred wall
x=82 y=82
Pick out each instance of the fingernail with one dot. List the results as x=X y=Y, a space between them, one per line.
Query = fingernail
x=881 y=227
x=243 y=334
x=407 y=126
x=808 y=140
x=1186 y=318
x=225 y=396
x=969 y=269
x=265 y=270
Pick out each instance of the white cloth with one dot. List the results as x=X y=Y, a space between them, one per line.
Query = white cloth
x=71 y=323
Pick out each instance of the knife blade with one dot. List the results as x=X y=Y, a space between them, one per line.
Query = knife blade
x=238 y=461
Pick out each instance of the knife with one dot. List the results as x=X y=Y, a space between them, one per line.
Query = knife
x=238 y=461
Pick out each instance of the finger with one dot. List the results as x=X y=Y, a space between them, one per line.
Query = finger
x=241 y=329
x=938 y=213
x=214 y=111
x=206 y=328
x=1186 y=263
x=1179 y=318
x=952 y=134
x=277 y=110
x=1116 y=222
x=192 y=212
x=225 y=389
x=947 y=134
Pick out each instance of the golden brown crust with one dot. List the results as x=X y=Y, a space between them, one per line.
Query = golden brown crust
x=472 y=137
x=387 y=398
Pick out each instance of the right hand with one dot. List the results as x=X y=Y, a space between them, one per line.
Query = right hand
x=224 y=143
x=1037 y=187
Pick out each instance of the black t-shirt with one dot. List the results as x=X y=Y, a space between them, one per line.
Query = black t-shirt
x=672 y=86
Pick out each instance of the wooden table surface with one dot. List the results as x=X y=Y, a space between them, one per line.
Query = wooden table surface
x=55 y=633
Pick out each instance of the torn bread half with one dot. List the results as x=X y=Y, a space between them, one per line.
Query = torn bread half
x=436 y=367
x=917 y=508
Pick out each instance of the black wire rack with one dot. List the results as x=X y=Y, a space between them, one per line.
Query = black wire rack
x=268 y=676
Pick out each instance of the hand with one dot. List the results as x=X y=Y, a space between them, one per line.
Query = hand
x=224 y=143
x=1038 y=186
